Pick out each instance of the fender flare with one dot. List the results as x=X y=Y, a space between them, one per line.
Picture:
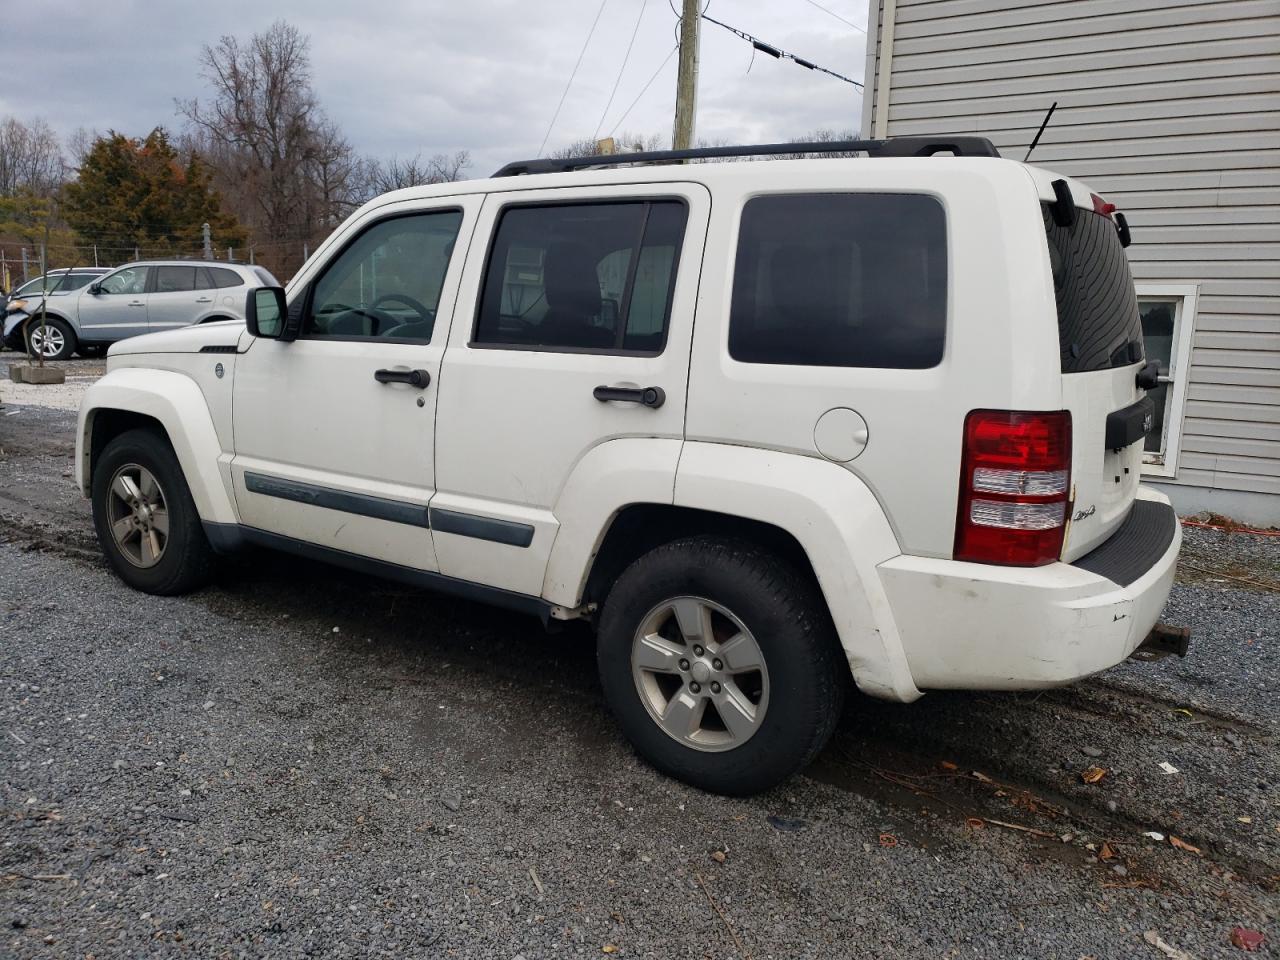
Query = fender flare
x=840 y=525
x=178 y=404
x=610 y=476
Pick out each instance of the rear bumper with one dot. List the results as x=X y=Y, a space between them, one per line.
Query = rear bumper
x=979 y=627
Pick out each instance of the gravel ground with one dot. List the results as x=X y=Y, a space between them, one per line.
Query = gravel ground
x=304 y=762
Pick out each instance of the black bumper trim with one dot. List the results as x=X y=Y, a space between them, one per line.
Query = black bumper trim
x=1137 y=544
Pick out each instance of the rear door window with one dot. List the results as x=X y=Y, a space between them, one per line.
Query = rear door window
x=582 y=277
x=175 y=279
x=840 y=280
x=1098 y=324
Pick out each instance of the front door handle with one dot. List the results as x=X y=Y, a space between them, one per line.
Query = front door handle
x=649 y=396
x=137 y=303
x=415 y=378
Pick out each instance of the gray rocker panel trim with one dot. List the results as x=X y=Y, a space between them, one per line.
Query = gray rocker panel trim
x=380 y=508
x=482 y=528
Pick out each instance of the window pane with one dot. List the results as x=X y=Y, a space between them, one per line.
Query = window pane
x=843 y=280
x=222 y=277
x=585 y=276
x=1157 y=330
x=387 y=283
x=75 y=281
x=131 y=280
x=175 y=279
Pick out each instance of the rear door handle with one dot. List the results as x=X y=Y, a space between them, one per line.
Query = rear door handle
x=204 y=299
x=649 y=396
x=415 y=378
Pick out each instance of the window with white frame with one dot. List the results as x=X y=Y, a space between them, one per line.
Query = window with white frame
x=1168 y=314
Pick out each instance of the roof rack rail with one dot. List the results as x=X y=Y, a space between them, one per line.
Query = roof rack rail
x=892 y=147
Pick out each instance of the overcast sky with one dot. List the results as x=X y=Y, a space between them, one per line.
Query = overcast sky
x=401 y=77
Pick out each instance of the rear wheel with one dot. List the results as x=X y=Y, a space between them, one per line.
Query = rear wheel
x=721 y=665
x=53 y=339
x=145 y=518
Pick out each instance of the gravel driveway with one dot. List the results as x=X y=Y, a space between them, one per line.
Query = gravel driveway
x=305 y=762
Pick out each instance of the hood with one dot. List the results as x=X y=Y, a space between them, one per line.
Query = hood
x=223 y=333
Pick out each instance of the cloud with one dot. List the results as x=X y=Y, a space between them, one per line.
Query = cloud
x=402 y=77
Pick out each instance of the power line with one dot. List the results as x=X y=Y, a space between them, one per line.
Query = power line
x=814 y=3
x=574 y=73
x=647 y=85
x=779 y=54
x=625 y=57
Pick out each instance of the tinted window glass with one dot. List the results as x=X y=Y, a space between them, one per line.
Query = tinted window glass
x=75 y=281
x=1098 y=324
x=840 y=280
x=387 y=283
x=222 y=277
x=129 y=280
x=584 y=276
x=265 y=276
x=175 y=279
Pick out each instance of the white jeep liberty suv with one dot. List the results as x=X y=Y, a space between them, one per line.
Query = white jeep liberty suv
x=766 y=425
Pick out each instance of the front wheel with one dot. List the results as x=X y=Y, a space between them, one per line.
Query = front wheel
x=720 y=662
x=145 y=518
x=53 y=339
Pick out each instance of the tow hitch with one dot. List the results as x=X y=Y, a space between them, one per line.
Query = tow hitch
x=1163 y=641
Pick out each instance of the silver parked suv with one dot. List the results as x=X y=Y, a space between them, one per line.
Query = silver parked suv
x=139 y=298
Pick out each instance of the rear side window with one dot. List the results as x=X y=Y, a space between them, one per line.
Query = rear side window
x=175 y=279
x=265 y=276
x=74 y=281
x=222 y=277
x=589 y=276
x=840 y=280
x=1098 y=324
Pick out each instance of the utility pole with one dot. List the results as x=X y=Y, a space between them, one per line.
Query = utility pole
x=208 y=242
x=687 y=79
x=25 y=269
x=95 y=254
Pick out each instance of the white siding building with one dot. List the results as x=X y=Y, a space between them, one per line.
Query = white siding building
x=1171 y=109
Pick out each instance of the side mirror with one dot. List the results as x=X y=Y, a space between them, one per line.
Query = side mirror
x=264 y=312
x=95 y=288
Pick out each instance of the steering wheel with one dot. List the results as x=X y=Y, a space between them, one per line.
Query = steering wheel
x=421 y=309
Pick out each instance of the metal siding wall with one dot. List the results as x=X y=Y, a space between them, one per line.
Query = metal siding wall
x=1171 y=108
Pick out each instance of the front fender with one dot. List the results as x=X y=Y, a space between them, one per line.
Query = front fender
x=842 y=528
x=178 y=404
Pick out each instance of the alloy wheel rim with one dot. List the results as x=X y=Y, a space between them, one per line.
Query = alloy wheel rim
x=49 y=343
x=700 y=674
x=138 y=515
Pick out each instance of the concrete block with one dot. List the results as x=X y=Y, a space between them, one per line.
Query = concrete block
x=30 y=373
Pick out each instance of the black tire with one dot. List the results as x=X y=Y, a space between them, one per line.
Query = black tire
x=187 y=561
x=91 y=350
x=783 y=610
x=63 y=329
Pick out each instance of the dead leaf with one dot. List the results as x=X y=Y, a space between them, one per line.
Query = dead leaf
x=1246 y=939
x=977 y=823
x=1173 y=953
x=1093 y=774
x=1106 y=853
x=888 y=840
x=982 y=777
x=1182 y=844
x=608 y=948
x=717 y=856
x=948 y=765
x=1245 y=819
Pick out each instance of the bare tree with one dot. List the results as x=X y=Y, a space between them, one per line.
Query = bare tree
x=383 y=176
x=30 y=158
x=283 y=167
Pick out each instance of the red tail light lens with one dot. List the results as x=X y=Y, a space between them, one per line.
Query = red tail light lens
x=1102 y=206
x=1015 y=483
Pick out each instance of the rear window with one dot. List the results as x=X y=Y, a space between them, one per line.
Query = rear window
x=840 y=280
x=222 y=277
x=1098 y=325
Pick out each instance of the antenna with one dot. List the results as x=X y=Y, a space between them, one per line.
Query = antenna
x=1044 y=123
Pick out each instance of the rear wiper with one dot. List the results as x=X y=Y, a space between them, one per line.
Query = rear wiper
x=1127 y=353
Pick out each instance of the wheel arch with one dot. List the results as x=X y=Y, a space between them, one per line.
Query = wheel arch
x=171 y=404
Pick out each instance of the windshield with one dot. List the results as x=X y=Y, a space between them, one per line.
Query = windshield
x=1098 y=325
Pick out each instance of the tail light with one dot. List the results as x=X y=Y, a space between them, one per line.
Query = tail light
x=1101 y=206
x=1015 y=481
